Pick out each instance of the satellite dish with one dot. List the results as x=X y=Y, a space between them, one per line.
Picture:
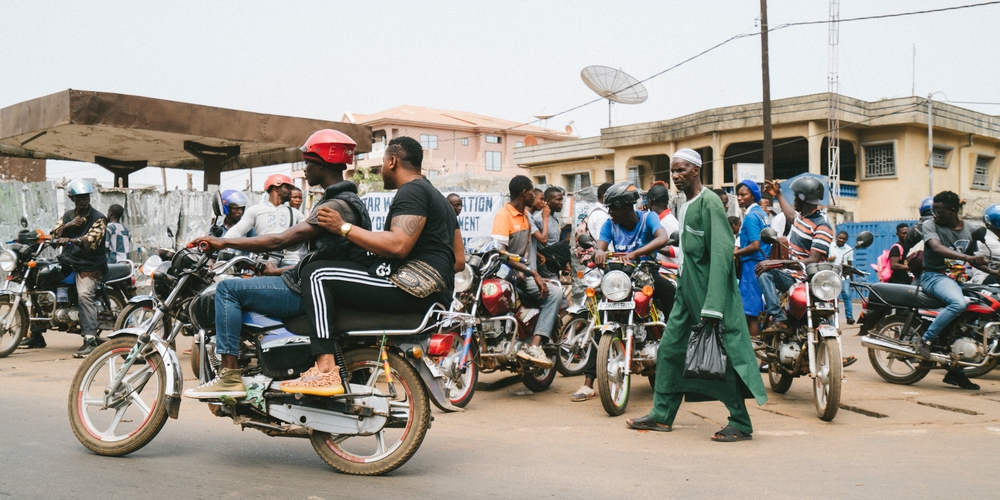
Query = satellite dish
x=614 y=85
x=530 y=140
x=569 y=129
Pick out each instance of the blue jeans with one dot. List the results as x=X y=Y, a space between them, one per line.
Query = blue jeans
x=265 y=295
x=845 y=297
x=550 y=308
x=772 y=283
x=942 y=287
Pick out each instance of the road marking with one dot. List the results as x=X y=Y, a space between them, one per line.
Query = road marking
x=781 y=433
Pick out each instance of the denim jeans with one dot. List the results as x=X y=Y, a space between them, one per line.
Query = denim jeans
x=772 y=283
x=265 y=295
x=845 y=297
x=550 y=308
x=942 y=287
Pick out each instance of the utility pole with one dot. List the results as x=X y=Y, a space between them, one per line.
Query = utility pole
x=930 y=146
x=765 y=74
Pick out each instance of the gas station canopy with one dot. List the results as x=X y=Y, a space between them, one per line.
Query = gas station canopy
x=125 y=133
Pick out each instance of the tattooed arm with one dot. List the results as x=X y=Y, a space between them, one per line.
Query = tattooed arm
x=395 y=243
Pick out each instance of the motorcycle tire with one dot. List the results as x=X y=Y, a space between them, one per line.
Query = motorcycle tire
x=885 y=364
x=464 y=388
x=136 y=315
x=539 y=379
x=568 y=363
x=394 y=444
x=13 y=335
x=828 y=380
x=969 y=372
x=780 y=382
x=612 y=383
x=138 y=416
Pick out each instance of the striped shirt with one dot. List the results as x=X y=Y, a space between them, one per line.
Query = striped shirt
x=810 y=232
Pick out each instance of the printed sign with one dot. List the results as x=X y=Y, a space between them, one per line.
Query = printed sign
x=751 y=171
x=476 y=219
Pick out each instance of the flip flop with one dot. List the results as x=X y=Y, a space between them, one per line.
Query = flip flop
x=647 y=424
x=850 y=360
x=730 y=434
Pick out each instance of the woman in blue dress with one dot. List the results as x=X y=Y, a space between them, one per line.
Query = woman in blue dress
x=751 y=251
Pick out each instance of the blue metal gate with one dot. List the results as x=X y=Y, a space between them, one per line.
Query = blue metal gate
x=885 y=236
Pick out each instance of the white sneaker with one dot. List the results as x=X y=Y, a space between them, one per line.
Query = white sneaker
x=535 y=354
x=583 y=393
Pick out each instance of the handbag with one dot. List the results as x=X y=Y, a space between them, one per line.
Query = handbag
x=414 y=277
x=706 y=356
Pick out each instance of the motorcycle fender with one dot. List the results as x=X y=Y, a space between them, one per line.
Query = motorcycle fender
x=608 y=328
x=141 y=298
x=175 y=379
x=433 y=383
x=828 y=331
x=576 y=309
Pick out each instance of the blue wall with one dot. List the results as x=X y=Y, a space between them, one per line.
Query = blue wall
x=885 y=237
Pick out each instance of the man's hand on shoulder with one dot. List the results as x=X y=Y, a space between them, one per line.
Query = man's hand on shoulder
x=329 y=219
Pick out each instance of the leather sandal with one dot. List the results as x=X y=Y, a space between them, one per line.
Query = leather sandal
x=647 y=424
x=730 y=434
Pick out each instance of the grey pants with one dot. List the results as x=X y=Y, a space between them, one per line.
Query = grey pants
x=86 y=295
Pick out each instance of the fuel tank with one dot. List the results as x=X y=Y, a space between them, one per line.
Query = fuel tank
x=797 y=300
x=498 y=296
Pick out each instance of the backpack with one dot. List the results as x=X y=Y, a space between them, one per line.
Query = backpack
x=882 y=265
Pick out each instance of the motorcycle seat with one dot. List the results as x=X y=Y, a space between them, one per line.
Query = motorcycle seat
x=902 y=295
x=117 y=272
x=349 y=320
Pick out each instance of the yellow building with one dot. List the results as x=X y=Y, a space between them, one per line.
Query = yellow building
x=883 y=144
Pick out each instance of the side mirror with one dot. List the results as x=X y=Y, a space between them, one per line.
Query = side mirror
x=769 y=236
x=585 y=241
x=674 y=239
x=24 y=221
x=865 y=240
x=979 y=234
x=217 y=203
x=170 y=233
x=216 y=231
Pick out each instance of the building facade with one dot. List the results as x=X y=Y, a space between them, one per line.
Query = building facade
x=455 y=142
x=883 y=152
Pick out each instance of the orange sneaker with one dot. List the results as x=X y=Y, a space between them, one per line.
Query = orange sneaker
x=315 y=383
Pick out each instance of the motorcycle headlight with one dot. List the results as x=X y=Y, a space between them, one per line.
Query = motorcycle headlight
x=150 y=265
x=463 y=280
x=826 y=285
x=616 y=285
x=8 y=261
x=593 y=278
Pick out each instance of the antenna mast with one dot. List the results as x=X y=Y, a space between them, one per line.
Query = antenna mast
x=833 y=87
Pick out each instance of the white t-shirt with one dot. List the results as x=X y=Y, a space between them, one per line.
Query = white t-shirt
x=778 y=224
x=990 y=250
x=265 y=218
x=595 y=221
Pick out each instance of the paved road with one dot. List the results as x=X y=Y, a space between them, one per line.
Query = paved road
x=927 y=440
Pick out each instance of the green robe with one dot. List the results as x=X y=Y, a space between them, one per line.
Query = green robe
x=707 y=287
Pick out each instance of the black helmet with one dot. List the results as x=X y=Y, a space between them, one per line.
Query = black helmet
x=809 y=190
x=658 y=192
x=621 y=194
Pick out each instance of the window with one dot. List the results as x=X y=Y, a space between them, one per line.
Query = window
x=940 y=156
x=981 y=173
x=577 y=182
x=540 y=179
x=432 y=173
x=428 y=141
x=359 y=156
x=493 y=139
x=634 y=175
x=493 y=161
x=465 y=141
x=518 y=144
x=880 y=160
x=610 y=176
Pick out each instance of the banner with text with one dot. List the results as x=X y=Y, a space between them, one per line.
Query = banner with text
x=476 y=219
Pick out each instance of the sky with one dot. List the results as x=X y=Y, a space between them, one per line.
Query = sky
x=508 y=59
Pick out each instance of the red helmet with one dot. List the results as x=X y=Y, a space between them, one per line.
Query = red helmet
x=277 y=180
x=330 y=146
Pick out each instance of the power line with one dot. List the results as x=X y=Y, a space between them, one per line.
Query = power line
x=886 y=16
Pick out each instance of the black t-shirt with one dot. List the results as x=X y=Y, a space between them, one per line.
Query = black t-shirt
x=435 y=245
x=898 y=275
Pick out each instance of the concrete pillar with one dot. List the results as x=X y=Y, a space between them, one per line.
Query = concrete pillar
x=815 y=137
x=718 y=162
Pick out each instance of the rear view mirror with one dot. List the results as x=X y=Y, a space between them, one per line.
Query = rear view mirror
x=217 y=203
x=979 y=234
x=865 y=240
x=24 y=221
x=585 y=241
x=769 y=236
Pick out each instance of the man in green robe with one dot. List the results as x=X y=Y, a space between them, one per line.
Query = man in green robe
x=707 y=291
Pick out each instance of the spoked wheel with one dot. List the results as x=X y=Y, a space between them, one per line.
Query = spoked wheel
x=896 y=368
x=394 y=444
x=612 y=383
x=829 y=376
x=780 y=382
x=138 y=315
x=11 y=336
x=117 y=304
x=133 y=415
x=576 y=346
x=538 y=379
x=461 y=388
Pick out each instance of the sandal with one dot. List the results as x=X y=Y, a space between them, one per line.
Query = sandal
x=848 y=361
x=730 y=434
x=647 y=424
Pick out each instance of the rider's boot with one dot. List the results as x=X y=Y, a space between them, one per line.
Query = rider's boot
x=34 y=340
x=89 y=344
x=227 y=383
x=315 y=383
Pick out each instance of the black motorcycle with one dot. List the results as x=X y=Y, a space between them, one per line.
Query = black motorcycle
x=41 y=291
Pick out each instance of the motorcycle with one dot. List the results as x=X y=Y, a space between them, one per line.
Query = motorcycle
x=628 y=324
x=40 y=290
x=123 y=393
x=489 y=325
x=811 y=345
x=895 y=317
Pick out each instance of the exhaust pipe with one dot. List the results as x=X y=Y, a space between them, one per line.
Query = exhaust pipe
x=899 y=348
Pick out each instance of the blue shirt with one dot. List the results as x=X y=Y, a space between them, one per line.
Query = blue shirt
x=753 y=223
x=638 y=237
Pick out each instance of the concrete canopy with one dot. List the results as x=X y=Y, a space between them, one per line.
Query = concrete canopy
x=125 y=133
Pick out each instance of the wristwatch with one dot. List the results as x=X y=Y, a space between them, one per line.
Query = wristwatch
x=346 y=228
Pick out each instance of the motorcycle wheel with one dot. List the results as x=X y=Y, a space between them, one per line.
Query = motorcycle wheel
x=135 y=418
x=394 y=444
x=780 y=382
x=612 y=383
x=568 y=363
x=464 y=386
x=138 y=315
x=539 y=379
x=829 y=376
x=894 y=368
x=12 y=336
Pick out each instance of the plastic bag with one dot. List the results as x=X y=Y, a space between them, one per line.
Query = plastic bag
x=706 y=356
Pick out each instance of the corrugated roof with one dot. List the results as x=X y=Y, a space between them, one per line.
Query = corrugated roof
x=451 y=119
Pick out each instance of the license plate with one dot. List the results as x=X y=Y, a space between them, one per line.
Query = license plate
x=616 y=306
x=824 y=305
